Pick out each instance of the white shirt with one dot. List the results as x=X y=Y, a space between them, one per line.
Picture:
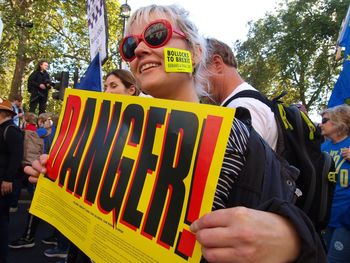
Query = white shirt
x=263 y=119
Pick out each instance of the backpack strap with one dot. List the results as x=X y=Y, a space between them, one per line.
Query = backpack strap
x=327 y=196
x=250 y=94
x=243 y=114
x=298 y=126
x=5 y=131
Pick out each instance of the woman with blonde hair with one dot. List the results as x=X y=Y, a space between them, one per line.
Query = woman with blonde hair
x=235 y=234
x=335 y=126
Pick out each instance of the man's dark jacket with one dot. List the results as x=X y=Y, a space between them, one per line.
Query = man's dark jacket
x=37 y=78
x=11 y=152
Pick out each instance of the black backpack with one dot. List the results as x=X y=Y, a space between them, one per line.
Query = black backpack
x=265 y=174
x=299 y=142
x=6 y=129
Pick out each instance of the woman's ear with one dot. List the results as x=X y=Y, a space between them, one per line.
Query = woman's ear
x=132 y=90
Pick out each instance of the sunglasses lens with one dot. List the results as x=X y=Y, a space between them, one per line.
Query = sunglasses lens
x=324 y=120
x=128 y=47
x=157 y=34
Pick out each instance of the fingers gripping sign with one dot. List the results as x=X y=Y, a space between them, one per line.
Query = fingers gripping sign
x=232 y=235
x=38 y=167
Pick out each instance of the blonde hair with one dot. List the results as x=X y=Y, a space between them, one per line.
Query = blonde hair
x=31 y=117
x=44 y=116
x=177 y=16
x=340 y=117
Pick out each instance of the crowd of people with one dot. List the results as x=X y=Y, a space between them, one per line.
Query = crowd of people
x=24 y=137
x=276 y=232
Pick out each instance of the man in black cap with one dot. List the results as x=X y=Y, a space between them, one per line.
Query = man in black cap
x=11 y=155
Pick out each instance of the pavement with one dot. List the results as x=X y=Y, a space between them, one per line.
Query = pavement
x=17 y=227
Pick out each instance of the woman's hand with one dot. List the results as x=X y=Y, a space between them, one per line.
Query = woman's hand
x=345 y=152
x=38 y=167
x=245 y=235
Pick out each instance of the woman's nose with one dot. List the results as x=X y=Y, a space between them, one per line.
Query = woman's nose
x=141 y=49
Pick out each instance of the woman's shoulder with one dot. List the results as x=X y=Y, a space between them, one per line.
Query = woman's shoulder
x=239 y=136
x=347 y=139
x=239 y=128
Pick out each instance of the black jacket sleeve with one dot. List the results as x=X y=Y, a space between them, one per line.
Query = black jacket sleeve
x=312 y=250
x=34 y=80
x=14 y=142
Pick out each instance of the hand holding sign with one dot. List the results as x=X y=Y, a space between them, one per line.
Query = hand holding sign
x=131 y=169
x=345 y=152
x=38 y=167
x=235 y=234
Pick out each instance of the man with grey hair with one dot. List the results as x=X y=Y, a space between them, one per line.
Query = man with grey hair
x=225 y=82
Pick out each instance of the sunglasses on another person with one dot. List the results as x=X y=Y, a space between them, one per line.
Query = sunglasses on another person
x=155 y=35
x=324 y=120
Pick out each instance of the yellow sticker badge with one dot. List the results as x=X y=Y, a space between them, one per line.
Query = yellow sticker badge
x=177 y=60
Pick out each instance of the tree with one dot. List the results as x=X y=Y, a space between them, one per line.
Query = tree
x=59 y=34
x=293 y=49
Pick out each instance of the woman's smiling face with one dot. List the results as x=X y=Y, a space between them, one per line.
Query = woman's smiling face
x=148 y=66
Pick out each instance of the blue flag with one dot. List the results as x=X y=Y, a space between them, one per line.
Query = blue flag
x=341 y=91
x=92 y=79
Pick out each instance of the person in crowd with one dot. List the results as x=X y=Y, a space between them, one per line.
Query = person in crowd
x=11 y=155
x=235 y=234
x=18 y=120
x=46 y=133
x=32 y=148
x=34 y=145
x=27 y=239
x=39 y=83
x=335 y=126
x=46 y=130
x=121 y=81
x=225 y=81
x=18 y=108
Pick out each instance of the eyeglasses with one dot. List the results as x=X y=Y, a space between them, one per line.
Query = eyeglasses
x=155 y=35
x=324 y=120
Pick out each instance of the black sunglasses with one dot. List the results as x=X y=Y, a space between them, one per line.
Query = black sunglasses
x=324 y=120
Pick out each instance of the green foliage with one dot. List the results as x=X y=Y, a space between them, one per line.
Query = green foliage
x=293 y=49
x=59 y=35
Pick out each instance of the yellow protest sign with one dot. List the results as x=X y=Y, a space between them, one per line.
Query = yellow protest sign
x=128 y=175
x=177 y=60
